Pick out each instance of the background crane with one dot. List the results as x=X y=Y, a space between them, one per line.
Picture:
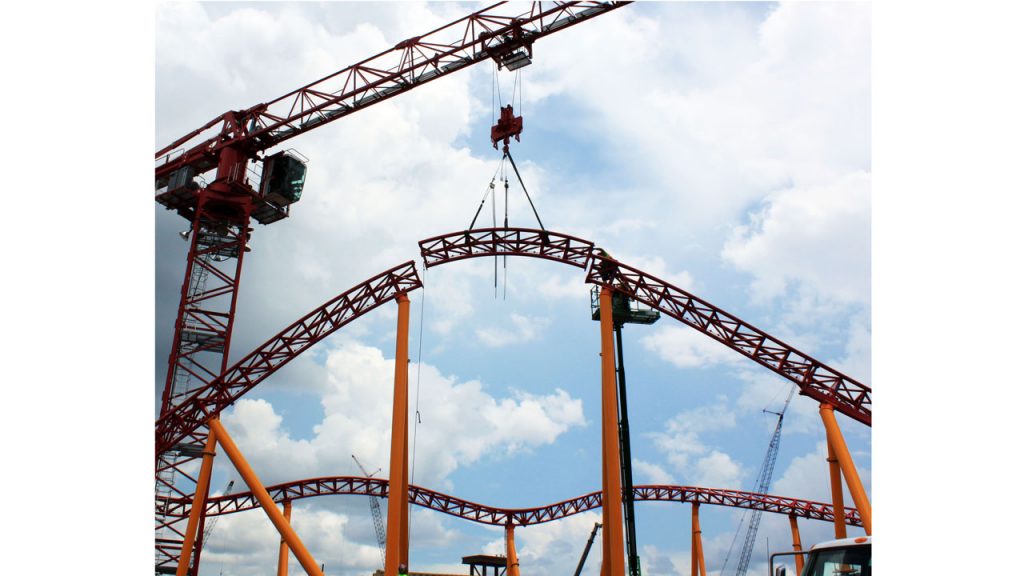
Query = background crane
x=378 y=522
x=764 y=479
x=250 y=185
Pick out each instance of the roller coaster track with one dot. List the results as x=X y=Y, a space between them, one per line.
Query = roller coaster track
x=358 y=485
x=815 y=379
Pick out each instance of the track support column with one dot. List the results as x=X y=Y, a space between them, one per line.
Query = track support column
x=696 y=545
x=398 y=479
x=512 y=559
x=842 y=453
x=611 y=499
x=797 y=547
x=198 y=505
x=836 y=483
x=254 y=484
x=282 y=554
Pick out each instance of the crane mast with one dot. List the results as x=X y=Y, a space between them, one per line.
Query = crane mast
x=378 y=521
x=247 y=184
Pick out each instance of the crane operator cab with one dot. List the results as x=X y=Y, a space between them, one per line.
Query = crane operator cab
x=284 y=175
x=844 y=557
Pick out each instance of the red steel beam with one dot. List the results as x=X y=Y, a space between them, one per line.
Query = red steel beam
x=209 y=400
x=357 y=485
x=506 y=242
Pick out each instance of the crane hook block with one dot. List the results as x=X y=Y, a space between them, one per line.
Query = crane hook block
x=508 y=125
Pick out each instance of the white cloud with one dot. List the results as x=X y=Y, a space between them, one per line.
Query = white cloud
x=554 y=547
x=522 y=329
x=649 y=473
x=683 y=448
x=685 y=347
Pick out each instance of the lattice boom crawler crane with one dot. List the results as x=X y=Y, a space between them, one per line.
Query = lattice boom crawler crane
x=250 y=184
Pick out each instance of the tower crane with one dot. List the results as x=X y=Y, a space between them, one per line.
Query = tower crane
x=764 y=478
x=378 y=522
x=248 y=183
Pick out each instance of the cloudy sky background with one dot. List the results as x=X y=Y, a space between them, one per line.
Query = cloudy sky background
x=946 y=150
x=725 y=148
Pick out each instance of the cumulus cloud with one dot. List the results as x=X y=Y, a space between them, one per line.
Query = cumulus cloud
x=685 y=347
x=684 y=449
x=519 y=329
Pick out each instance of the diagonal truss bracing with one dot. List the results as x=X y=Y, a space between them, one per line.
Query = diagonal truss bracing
x=506 y=242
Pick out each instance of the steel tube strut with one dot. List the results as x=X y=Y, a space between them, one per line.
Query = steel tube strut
x=835 y=438
x=836 y=487
x=697 y=546
x=282 y=552
x=511 y=558
x=198 y=506
x=797 y=547
x=612 y=495
x=398 y=491
x=254 y=484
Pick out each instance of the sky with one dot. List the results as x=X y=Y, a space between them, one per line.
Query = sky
x=723 y=147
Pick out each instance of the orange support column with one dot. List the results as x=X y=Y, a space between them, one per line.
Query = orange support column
x=198 y=505
x=799 y=558
x=253 y=482
x=282 y=554
x=697 y=546
x=611 y=499
x=512 y=559
x=835 y=440
x=836 y=482
x=398 y=479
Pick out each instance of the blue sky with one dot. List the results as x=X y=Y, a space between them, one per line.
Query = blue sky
x=723 y=147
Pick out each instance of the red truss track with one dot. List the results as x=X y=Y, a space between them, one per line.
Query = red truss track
x=815 y=379
x=211 y=399
x=506 y=242
x=357 y=485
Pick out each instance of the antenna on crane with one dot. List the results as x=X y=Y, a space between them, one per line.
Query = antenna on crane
x=764 y=478
x=378 y=523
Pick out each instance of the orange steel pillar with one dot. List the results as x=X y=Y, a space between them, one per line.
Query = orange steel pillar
x=697 y=546
x=512 y=559
x=611 y=499
x=835 y=439
x=799 y=558
x=398 y=480
x=254 y=484
x=282 y=554
x=198 y=505
x=836 y=481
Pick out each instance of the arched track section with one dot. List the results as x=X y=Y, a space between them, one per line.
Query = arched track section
x=814 y=378
x=358 y=485
x=221 y=392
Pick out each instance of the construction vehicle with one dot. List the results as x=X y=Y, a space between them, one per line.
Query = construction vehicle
x=586 y=549
x=843 y=557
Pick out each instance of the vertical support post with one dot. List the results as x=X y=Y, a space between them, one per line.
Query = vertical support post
x=836 y=483
x=282 y=554
x=799 y=558
x=512 y=559
x=398 y=480
x=266 y=502
x=697 y=546
x=835 y=439
x=629 y=511
x=611 y=499
x=198 y=505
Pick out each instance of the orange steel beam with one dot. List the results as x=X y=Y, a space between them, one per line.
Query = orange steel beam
x=612 y=496
x=398 y=483
x=512 y=559
x=835 y=439
x=282 y=554
x=254 y=484
x=697 y=547
x=799 y=558
x=836 y=483
x=198 y=505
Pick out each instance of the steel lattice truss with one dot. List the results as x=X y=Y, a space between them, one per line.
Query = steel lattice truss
x=357 y=485
x=492 y=32
x=211 y=399
x=815 y=379
x=506 y=242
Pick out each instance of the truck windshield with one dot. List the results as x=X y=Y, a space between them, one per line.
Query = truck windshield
x=848 y=561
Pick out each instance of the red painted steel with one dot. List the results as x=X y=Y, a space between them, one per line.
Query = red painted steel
x=814 y=378
x=506 y=242
x=426 y=498
x=489 y=33
x=221 y=392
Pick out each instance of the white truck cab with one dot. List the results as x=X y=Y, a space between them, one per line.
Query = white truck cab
x=844 y=557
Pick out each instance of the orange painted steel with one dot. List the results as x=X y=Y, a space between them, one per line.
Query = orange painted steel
x=835 y=439
x=397 y=547
x=612 y=496
x=282 y=553
x=198 y=505
x=836 y=483
x=696 y=544
x=797 y=547
x=254 y=484
x=511 y=558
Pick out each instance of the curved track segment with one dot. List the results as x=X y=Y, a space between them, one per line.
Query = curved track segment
x=221 y=392
x=357 y=485
x=506 y=242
